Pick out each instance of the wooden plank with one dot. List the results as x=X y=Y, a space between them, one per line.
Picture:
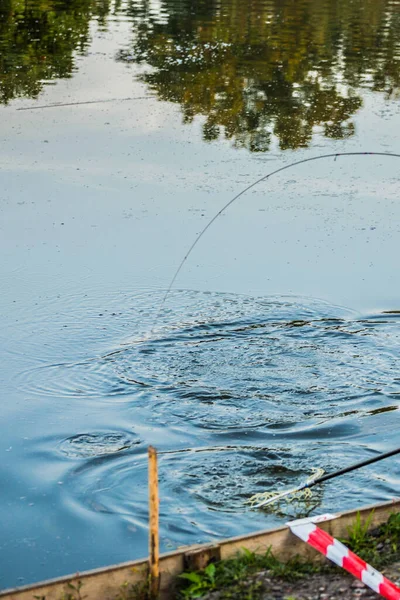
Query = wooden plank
x=154 y=550
x=105 y=584
x=284 y=545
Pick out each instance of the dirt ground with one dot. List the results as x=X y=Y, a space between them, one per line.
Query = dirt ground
x=335 y=586
x=327 y=586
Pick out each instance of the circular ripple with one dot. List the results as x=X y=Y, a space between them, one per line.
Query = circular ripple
x=195 y=483
x=91 y=378
x=230 y=363
x=87 y=445
x=282 y=365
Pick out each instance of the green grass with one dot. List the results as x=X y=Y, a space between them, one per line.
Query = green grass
x=379 y=547
x=233 y=577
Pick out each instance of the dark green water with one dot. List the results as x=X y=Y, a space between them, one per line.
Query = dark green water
x=125 y=126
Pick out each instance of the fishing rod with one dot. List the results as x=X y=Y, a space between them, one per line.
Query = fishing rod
x=334 y=155
x=265 y=498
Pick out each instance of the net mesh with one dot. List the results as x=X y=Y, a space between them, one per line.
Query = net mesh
x=296 y=494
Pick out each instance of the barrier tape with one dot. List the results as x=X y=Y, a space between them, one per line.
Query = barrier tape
x=338 y=553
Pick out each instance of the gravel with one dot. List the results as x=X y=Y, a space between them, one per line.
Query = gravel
x=326 y=586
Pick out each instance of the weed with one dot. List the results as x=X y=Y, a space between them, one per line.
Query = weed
x=392 y=527
x=233 y=577
x=75 y=593
x=379 y=547
x=358 y=536
x=199 y=583
x=134 y=591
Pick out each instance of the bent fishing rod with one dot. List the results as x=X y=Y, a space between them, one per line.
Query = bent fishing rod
x=334 y=155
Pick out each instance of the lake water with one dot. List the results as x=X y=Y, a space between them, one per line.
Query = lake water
x=125 y=127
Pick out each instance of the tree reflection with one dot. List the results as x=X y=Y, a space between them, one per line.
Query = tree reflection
x=264 y=68
x=257 y=70
x=38 y=39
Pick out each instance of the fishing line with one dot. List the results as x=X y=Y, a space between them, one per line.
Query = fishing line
x=241 y=193
x=60 y=104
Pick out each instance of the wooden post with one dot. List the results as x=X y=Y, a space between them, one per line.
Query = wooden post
x=154 y=550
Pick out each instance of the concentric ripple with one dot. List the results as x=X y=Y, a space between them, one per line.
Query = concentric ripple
x=281 y=367
x=87 y=445
x=224 y=363
x=195 y=483
x=90 y=378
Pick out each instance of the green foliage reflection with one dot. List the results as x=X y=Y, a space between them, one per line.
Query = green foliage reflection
x=38 y=40
x=257 y=70
x=263 y=68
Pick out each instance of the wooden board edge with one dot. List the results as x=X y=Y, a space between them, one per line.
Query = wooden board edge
x=107 y=583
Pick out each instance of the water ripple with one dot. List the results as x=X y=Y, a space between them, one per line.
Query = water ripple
x=235 y=363
x=86 y=445
x=196 y=482
x=239 y=394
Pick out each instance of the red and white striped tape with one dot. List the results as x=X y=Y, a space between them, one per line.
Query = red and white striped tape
x=337 y=552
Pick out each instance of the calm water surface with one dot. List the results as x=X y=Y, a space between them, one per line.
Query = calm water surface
x=125 y=126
